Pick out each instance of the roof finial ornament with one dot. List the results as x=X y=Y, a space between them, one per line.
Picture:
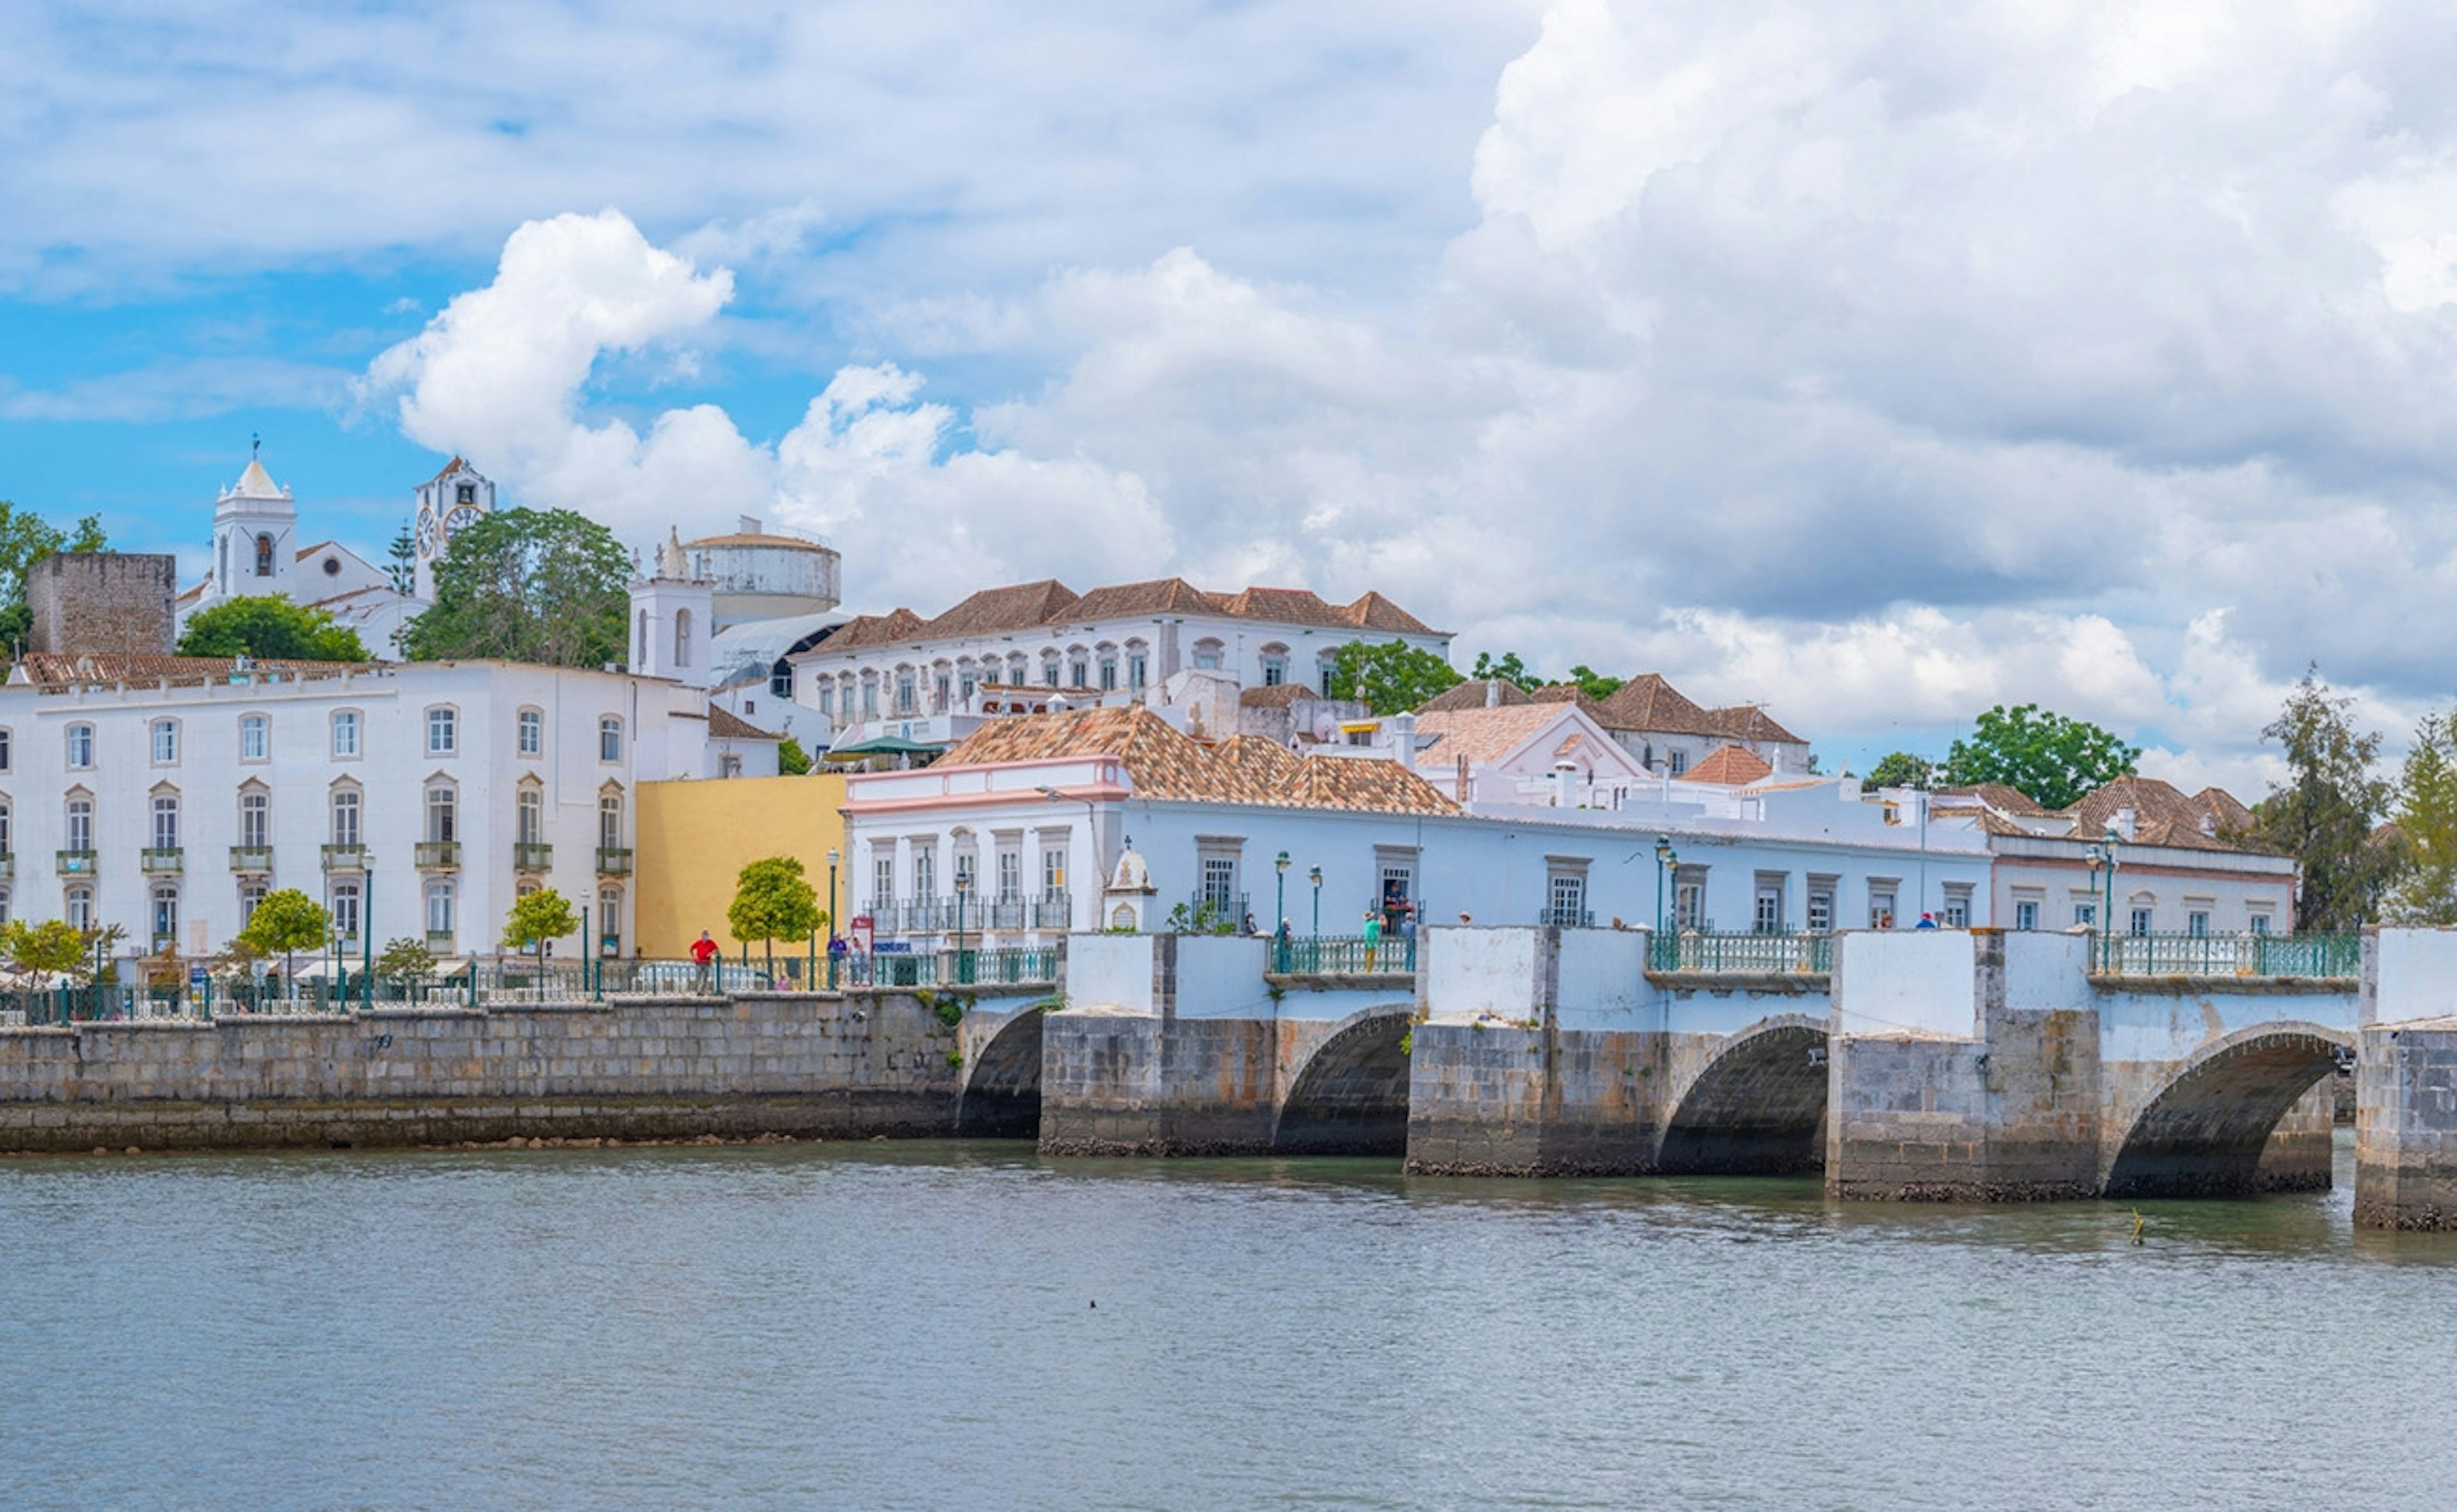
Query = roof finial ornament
x=671 y=564
x=254 y=445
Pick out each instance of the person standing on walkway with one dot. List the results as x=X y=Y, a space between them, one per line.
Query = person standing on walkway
x=703 y=953
x=1372 y=938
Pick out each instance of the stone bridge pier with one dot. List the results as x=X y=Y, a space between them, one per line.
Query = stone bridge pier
x=2405 y=1081
x=1182 y=1045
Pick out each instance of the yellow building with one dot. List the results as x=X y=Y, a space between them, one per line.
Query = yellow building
x=695 y=836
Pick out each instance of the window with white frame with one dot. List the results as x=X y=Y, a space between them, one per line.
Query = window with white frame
x=729 y=765
x=166 y=742
x=1820 y=910
x=1109 y=672
x=348 y=813
x=254 y=737
x=166 y=821
x=529 y=814
x=166 y=914
x=78 y=907
x=7 y=749
x=1207 y=653
x=532 y=733
x=1220 y=884
x=8 y=829
x=80 y=747
x=780 y=679
x=882 y=880
x=907 y=691
x=345 y=733
x=2026 y=914
x=1566 y=898
x=345 y=910
x=2258 y=923
x=828 y=697
x=255 y=819
x=5 y=914
x=1053 y=870
x=79 y=825
x=1138 y=668
x=1276 y=666
x=682 y=637
x=2197 y=922
x=250 y=894
x=1768 y=919
x=1010 y=875
x=925 y=874
x=443 y=813
x=443 y=731
x=1958 y=905
x=2142 y=914
x=439 y=909
x=610 y=822
x=2085 y=913
x=1882 y=903
x=1688 y=899
x=610 y=917
x=1676 y=762
x=609 y=738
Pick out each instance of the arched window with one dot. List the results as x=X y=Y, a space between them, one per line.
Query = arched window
x=264 y=556
x=528 y=813
x=6 y=752
x=349 y=814
x=166 y=821
x=80 y=737
x=255 y=819
x=609 y=920
x=1207 y=654
x=8 y=829
x=640 y=657
x=532 y=726
x=1275 y=665
x=166 y=914
x=80 y=825
x=443 y=813
x=610 y=822
x=79 y=908
x=682 y=637
x=780 y=678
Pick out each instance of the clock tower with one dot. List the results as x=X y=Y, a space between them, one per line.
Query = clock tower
x=451 y=501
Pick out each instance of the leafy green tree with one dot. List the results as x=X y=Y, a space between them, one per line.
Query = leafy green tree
x=269 y=627
x=541 y=586
x=771 y=901
x=1389 y=679
x=537 y=916
x=1595 y=684
x=1507 y=667
x=2326 y=811
x=26 y=538
x=48 y=948
x=400 y=562
x=2053 y=759
x=287 y=922
x=406 y=961
x=792 y=760
x=1900 y=769
x=2424 y=892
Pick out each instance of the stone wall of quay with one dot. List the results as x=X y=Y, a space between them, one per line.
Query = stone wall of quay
x=647 y=1068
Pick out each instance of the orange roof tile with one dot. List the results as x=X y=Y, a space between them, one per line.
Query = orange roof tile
x=1028 y=606
x=1471 y=694
x=1730 y=766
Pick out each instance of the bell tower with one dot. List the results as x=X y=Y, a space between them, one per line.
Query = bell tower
x=256 y=537
x=452 y=500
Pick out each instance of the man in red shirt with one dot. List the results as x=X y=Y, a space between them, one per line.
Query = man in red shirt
x=703 y=951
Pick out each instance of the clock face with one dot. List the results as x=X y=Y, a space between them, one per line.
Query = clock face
x=461 y=518
x=427 y=533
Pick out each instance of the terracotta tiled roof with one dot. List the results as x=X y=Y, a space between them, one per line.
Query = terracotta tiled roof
x=724 y=724
x=1650 y=704
x=1997 y=795
x=1164 y=764
x=52 y=669
x=2210 y=819
x=1472 y=693
x=1027 y=606
x=1749 y=722
x=1279 y=696
x=757 y=538
x=1482 y=736
x=1731 y=766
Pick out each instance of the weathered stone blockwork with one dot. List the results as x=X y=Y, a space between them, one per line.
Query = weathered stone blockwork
x=98 y=602
x=797 y=1064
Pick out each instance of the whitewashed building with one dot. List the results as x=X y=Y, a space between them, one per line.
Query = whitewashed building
x=167 y=794
x=1032 y=814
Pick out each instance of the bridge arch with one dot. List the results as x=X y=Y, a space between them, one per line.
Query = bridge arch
x=1003 y=1082
x=1350 y=1097
x=2203 y=1131
x=1758 y=1108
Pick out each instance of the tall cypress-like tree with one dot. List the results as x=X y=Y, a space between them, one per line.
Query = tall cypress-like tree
x=543 y=585
x=2325 y=813
x=2425 y=891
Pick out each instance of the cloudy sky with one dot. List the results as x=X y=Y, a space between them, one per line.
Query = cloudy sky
x=1877 y=362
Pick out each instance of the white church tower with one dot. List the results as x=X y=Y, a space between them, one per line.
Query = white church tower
x=256 y=536
x=453 y=498
x=673 y=614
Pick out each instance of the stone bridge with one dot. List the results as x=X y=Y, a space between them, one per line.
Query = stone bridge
x=1944 y=1065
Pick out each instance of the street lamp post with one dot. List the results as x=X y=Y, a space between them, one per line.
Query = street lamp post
x=1280 y=905
x=2097 y=858
x=1665 y=857
x=963 y=885
x=832 y=858
x=2109 y=839
x=367 y=930
x=1313 y=875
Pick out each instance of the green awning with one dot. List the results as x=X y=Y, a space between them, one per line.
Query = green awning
x=884 y=745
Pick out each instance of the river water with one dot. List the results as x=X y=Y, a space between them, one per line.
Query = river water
x=966 y=1325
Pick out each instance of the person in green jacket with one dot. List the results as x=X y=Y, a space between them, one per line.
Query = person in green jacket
x=1372 y=938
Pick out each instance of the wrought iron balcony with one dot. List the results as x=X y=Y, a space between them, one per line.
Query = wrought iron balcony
x=531 y=856
x=76 y=864
x=345 y=858
x=251 y=857
x=614 y=860
x=162 y=860
x=1567 y=918
x=1054 y=911
x=439 y=856
x=7 y=863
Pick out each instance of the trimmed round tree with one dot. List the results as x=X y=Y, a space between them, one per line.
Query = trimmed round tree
x=771 y=901
x=287 y=922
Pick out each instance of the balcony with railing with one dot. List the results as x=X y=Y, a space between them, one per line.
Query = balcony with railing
x=2245 y=955
x=1566 y=918
x=8 y=864
x=1007 y=913
x=74 y=863
x=532 y=856
x=1754 y=955
x=438 y=856
x=345 y=858
x=614 y=860
x=162 y=860
x=1054 y=911
x=250 y=859
x=1343 y=955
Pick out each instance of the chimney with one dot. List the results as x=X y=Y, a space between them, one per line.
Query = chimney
x=2124 y=823
x=1493 y=692
x=1566 y=784
x=1403 y=740
x=751 y=524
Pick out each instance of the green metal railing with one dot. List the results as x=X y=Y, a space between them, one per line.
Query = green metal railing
x=1743 y=954
x=2245 y=955
x=1003 y=965
x=1309 y=955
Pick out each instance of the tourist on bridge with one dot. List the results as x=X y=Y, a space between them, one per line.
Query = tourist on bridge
x=1372 y=938
x=703 y=952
